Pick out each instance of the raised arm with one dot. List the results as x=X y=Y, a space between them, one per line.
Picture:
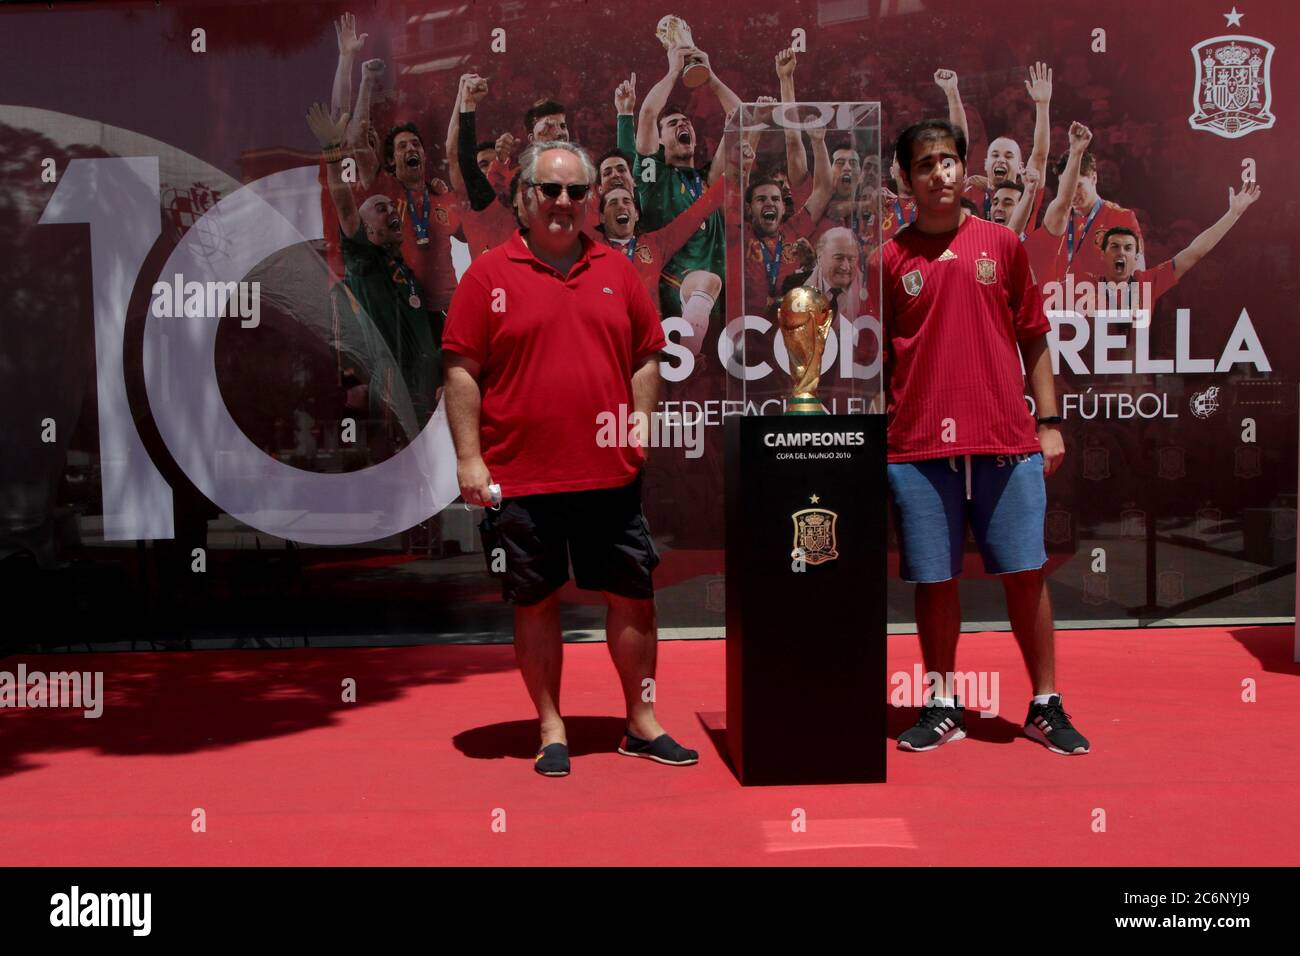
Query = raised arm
x=480 y=192
x=345 y=29
x=1058 y=211
x=1238 y=203
x=361 y=135
x=796 y=160
x=820 y=197
x=726 y=99
x=625 y=97
x=647 y=126
x=1018 y=221
x=452 y=145
x=329 y=132
x=718 y=165
x=946 y=80
x=1039 y=87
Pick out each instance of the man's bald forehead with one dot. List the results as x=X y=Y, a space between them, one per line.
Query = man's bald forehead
x=839 y=235
x=1006 y=143
x=556 y=159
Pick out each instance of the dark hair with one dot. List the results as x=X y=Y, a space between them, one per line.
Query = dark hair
x=760 y=182
x=670 y=109
x=514 y=192
x=1010 y=184
x=968 y=204
x=636 y=203
x=613 y=153
x=926 y=131
x=1120 y=231
x=391 y=138
x=538 y=110
x=486 y=144
x=1086 y=165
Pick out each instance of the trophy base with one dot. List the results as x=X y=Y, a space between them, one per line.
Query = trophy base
x=695 y=75
x=803 y=405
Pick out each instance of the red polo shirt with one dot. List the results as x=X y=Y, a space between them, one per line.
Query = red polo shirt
x=557 y=356
x=956 y=306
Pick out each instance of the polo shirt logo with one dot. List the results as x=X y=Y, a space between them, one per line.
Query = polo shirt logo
x=607 y=290
x=912 y=282
x=986 y=271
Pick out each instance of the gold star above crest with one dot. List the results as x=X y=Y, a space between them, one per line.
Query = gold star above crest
x=814 y=499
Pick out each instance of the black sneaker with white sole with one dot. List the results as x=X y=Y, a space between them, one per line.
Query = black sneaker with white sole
x=1050 y=725
x=937 y=726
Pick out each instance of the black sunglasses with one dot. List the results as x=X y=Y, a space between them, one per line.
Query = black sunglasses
x=577 y=191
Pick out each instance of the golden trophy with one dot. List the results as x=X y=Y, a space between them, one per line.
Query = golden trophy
x=673 y=32
x=805 y=317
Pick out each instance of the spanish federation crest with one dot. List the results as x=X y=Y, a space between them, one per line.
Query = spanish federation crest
x=814 y=535
x=1232 y=95
x=913 y=281
x=986 y=271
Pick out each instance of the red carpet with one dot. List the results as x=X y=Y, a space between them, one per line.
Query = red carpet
x=437 y=743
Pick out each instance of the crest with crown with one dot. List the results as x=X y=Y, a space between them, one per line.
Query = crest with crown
x=1232 y=95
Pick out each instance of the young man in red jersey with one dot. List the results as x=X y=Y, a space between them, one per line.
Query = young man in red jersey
x=959 y=310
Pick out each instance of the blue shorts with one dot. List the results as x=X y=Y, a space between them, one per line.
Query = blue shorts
x=1003 y=497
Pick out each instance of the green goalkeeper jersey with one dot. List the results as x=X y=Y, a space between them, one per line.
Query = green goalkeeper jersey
x=666 y=191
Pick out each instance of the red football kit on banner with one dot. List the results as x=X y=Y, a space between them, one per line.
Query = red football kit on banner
x=435 y=217
x=1159 y=281
x=955 y=307
x=557 y=354
x=1080 y=249
x=650 y=251
x=1076 y=251
x=770 y=262
x=983 y=200
x=895 y=212
x=485 y=229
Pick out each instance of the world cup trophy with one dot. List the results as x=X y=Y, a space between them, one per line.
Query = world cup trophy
x=673 y=32
x=804 y=317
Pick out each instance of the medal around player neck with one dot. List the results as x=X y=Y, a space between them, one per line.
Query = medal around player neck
x=805 y=317
x=673 y=32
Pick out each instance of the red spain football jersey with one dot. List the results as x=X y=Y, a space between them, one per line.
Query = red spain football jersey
x=486 y=228
x=649 y=252
x=1081 y=245
x=955 y=307
x=432 y=260
x=1159 y=279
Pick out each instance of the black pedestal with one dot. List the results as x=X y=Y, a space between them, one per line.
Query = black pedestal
x=806 y=682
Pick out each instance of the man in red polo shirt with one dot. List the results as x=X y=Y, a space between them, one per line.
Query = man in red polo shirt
x=960 y=311
x=550 y=336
